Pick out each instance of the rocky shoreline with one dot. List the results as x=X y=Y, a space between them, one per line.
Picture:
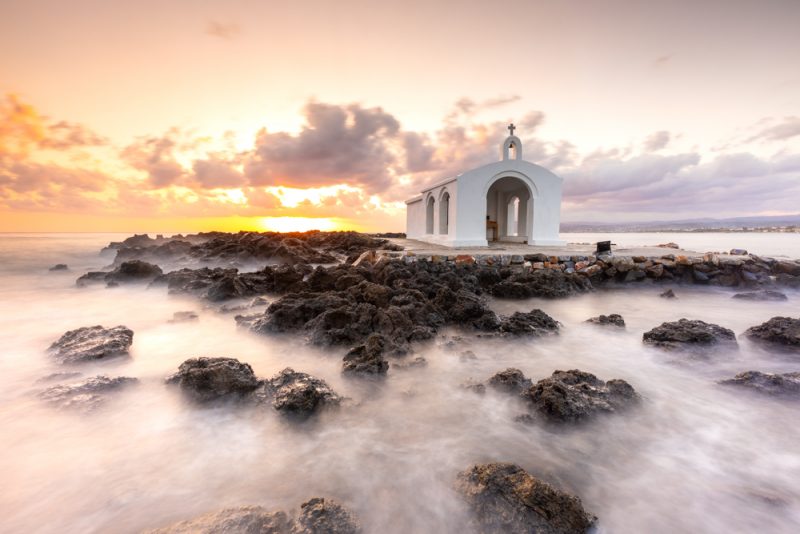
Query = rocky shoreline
x=378 y=306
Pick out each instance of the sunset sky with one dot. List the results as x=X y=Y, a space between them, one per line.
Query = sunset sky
x=197 y=115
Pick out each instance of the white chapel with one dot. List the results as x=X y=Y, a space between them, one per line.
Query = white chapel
x=510 y=200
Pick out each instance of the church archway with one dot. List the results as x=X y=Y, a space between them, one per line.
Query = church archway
x=444 y=213
x=509 y=210
x=429 y=211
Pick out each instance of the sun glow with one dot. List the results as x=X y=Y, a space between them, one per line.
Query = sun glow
x=298 y=224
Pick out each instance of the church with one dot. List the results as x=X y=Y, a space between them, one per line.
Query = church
x=511 y=200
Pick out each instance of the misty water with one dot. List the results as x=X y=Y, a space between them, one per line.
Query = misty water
x=694 y=457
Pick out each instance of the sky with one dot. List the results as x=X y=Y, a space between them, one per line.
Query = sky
x=193 y=115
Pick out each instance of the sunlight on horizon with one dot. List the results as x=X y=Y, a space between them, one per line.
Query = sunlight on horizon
x=299 y=224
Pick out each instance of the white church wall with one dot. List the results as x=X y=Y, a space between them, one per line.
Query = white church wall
x=415 y=218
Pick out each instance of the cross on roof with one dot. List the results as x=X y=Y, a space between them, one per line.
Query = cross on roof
x=511 y=128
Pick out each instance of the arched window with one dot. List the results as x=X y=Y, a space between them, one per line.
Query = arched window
x=429 y=211
x=444 y=213
x=512 y=223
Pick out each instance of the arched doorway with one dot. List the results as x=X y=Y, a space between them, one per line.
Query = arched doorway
x=429 y=210
x=444 y=213
x=509 y=210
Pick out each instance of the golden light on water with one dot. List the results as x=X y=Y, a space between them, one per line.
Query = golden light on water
x=298 y=224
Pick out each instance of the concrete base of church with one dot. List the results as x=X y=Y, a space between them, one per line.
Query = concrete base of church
x=465 y=243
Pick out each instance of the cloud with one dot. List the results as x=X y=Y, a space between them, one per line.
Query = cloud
x=217 y=172
x=657 y=141
x=222 y=30
x=338 y=144
x=156 y=157
x=788 y=128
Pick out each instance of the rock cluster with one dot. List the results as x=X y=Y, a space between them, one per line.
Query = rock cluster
x=686 y=333
x=85 y=396
x=504 y=498
x=293 y=394
x=778 y=332
x=92 y=343
x=511 y=380
x=613 y=319
x=574 y=396
x=317 y=516
x=125 y=272
x=762 y=295
x=220 y=284
x=786 y=384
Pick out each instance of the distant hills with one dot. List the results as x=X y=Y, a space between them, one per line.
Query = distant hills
x=776 y=223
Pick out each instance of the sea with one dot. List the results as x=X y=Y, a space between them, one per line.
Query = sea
x=694 y=457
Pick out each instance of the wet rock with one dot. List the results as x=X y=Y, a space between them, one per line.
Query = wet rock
x=612 y=319
x=85 y=396
x=209 y=379
x=325 y=516
x=417 y=362
x=668 y=294
x=574 y=396
x=241 y=520
x=367 y=358
x=59 y=267
x=533 y=323
x=510 y=381
x=763 y=295
x=298 y=395
x=787 y=267
x=92 y=343
x=506 y=499
x=92 y=277
x=738 y=252
x=786 y=384
x=134 y=271
x=669 y=245
x=686 y=333
x=778 y=332
x=183 y=317
x=547 y=283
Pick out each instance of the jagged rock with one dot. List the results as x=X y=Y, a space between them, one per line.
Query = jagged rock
x=85 y=396
x=367 y=358
x=573 y=396
x=92 y=277
x=506 y=499
x=208 y=379
x=298 y=395
x=241 y=520
x=510 y=381
x=533 y=323
x=778 y=332
x=613 y=319
x=92 y=343
x=786 y=384
x=548 y=283
x=668 y=294
x=325 y=516
x=59 y=267
x=763 y=295
x=686 y=333
x=183 y=317
x=134 y=271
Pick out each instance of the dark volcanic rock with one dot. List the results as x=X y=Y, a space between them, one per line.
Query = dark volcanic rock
x=778 y=332
x=298 y=395
x=505 y=499
x=611 y=319
x=92 y=277
x=242 y=520
x=548 y=283
x=572 y=396
x=533 y=323
x=59 y=267
x=771 y=384
x=134 y=271
x=511 y=381
x=765 y=294
x=223 y=284
x=367 y=358
x=325 y=516
x=208 y=379
x=92 y=343
x=183 y=317
x=85 y=396
x=686 y=333
x=668 y=294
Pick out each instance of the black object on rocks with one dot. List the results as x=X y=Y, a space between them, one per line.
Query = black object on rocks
x=504 y=498
x=92 y=343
